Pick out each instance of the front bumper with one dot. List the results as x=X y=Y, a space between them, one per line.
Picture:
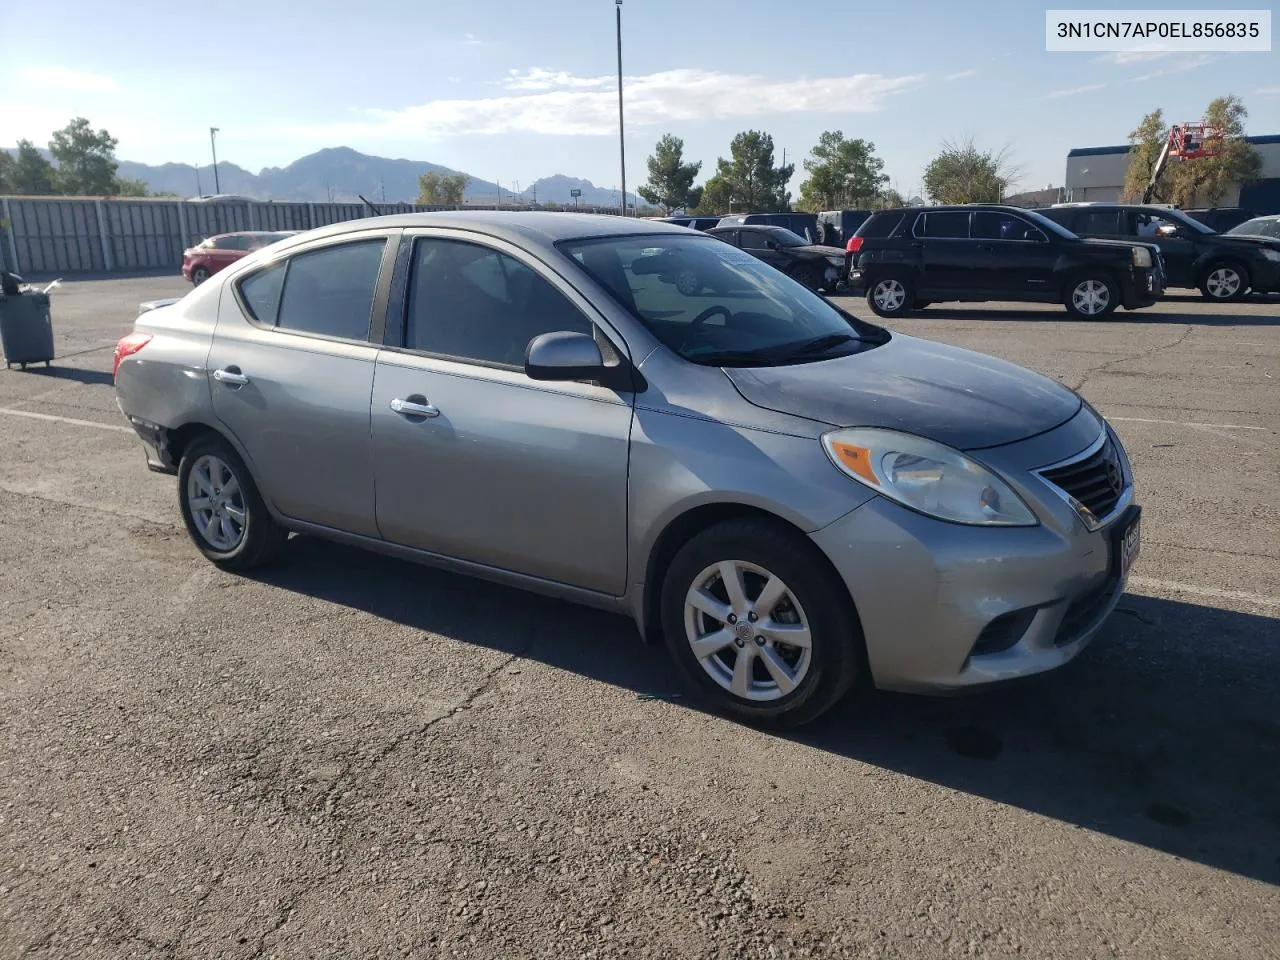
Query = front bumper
x=927 y=591
x=1145 y=287
x=1264 y=276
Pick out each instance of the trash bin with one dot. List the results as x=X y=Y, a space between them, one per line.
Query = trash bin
x=26 y=330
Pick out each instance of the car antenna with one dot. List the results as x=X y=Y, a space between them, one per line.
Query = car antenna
x=376 y=211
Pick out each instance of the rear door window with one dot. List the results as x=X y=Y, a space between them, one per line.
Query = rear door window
x=329 y=292
x=1094 y=223
x=943 y=225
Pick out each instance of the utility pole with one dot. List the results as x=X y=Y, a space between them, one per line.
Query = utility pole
x=213 y=145
x=622 y=140
x=199 y=189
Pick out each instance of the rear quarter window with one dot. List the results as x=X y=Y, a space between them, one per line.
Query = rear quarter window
x=880 y=225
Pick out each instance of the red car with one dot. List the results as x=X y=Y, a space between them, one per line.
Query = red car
x=209 y=256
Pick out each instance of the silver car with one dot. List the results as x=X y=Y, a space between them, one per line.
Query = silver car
x=642 y=418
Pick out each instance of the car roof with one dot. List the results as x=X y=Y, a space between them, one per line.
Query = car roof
x=754 y=227
x=952 y=208
x=537 y=228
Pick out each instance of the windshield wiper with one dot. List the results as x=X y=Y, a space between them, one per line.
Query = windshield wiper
x=816 y=345
x=732 y=358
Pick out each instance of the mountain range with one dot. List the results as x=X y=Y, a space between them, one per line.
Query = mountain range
x=340 y=173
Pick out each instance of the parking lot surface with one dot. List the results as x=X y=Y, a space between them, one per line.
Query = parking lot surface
x=350 y=756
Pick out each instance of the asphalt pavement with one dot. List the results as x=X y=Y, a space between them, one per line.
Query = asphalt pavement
x=346 y=756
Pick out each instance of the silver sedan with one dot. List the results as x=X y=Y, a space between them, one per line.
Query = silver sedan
x=641 y=418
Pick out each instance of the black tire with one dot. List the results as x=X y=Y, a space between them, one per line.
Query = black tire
x=1077 y=294
x=261 y=537
x=836 y=654
x=1224 y=281
x=890 y=295
x=809 y=275
x=199 y=275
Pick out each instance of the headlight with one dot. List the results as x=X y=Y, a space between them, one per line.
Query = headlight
x=1273 y=255
x=1141 y=256
x=926 y=476
x=836 y=261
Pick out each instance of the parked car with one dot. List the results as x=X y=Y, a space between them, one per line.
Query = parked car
x=798 y=222
x=907 y=258
x=790 y=496
x=838 y=226
x=1268 y=226
x=816 y=266
x=1224 y=267
x=1220 y=219
x=694 y=223
x=209 y=256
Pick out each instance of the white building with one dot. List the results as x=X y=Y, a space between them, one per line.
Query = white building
x=1097 y=173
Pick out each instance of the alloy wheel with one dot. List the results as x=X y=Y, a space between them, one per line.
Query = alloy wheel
x=1091 y=297
x=889 y=295
x=217 y=503
x=748 y=631
x=1223 y=283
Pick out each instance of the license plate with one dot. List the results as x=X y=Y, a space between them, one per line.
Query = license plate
x=1128 y=546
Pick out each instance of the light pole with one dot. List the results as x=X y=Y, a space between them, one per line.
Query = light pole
x=622 y=142
x=213 y=145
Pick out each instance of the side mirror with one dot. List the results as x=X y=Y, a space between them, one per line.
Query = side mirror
x=563 y=356
x=1169 y=230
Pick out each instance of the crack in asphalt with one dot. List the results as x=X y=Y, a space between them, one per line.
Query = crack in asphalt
x=1141 y=355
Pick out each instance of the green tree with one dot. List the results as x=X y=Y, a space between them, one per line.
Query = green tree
x=126 y=187
x=444 y=191
x=1205 y=180
x=6 y=172
x=670 y=183
x=31 y=174
x=842 y=173
x=714 y=198
x=86 y=159
x=962 y=173
x=749 y=181
x=1145 y=143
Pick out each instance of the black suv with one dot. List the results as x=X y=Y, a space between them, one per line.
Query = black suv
x=816 y=266
x=909 y=258
x=1224 y=267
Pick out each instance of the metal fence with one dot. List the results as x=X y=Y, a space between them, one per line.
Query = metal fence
x=71 y=235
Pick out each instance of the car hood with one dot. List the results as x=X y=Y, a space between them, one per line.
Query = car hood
x=964 y=399
x=1245 y=240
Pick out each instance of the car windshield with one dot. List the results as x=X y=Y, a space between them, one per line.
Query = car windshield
x=1258 y=227
x=1044 y=223
x=787 y=238
x=714 y=304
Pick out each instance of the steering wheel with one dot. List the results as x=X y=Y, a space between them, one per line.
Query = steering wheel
x=710 y=312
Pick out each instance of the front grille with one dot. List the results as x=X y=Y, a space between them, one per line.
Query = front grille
x=1097 y=481
x=1085 y=611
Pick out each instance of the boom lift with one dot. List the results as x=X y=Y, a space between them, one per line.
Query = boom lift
x=1187 y=141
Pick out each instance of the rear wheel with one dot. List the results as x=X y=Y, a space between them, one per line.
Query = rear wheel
x=224 y=514
x=1091 y=296
x=890 y=296
x=759 y=625
x=199 y=275
x=1224 y=281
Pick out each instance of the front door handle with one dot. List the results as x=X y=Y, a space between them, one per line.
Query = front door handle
x=414 y=406
x=231 y=376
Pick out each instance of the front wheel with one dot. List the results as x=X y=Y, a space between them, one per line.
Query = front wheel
x=890 y=296
x=1091 y=297
x=199 y=275
x=1223 y=282
x=759 y=625
x=224 y=514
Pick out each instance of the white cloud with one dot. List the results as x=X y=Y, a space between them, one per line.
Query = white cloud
x=959 y=76
x=1191 y=63
x=1123 y=57
x=568 y=105
x=1072 y=91
x=1267 y=91
x=62 y=78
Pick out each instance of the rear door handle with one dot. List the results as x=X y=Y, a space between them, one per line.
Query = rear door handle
x=231 y=376
x=415 y=406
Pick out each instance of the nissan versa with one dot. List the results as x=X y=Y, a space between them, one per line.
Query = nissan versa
x=790 y=496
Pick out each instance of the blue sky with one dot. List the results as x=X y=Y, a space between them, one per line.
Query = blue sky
x=515 y=91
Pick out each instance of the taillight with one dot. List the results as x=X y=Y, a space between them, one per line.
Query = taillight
x=855 y=244
x=127 y=347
